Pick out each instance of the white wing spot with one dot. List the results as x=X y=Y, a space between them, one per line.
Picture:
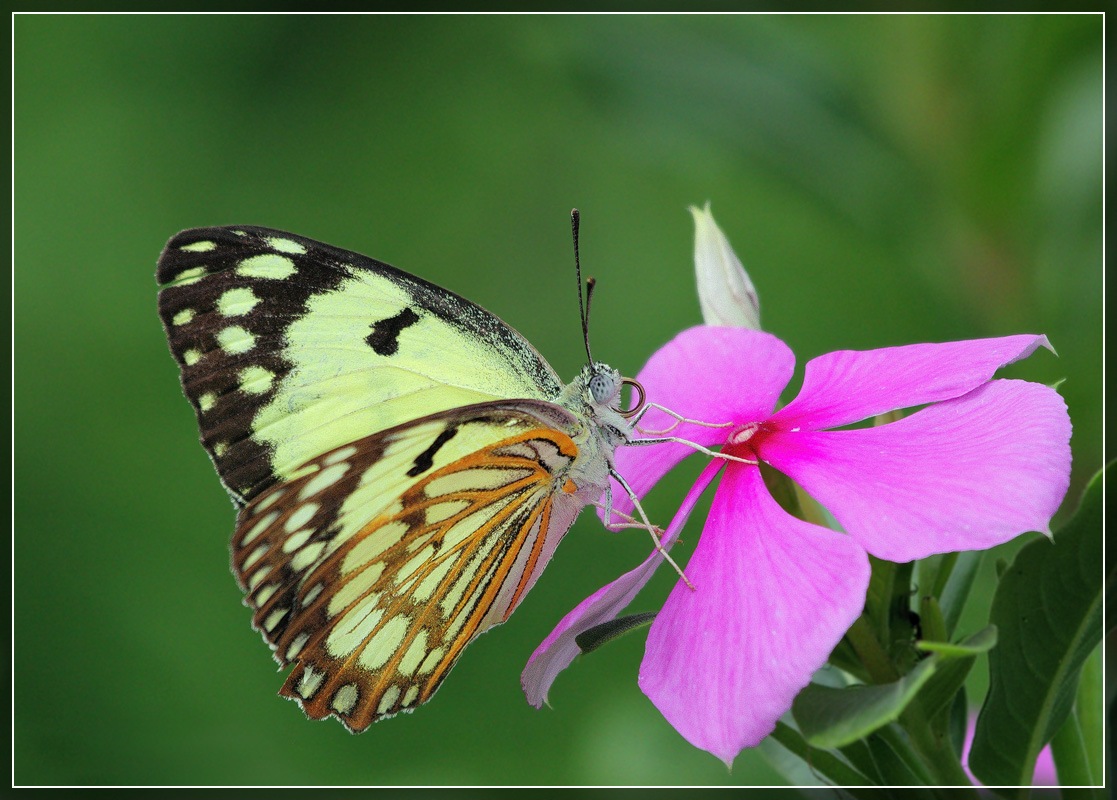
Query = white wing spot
x=189 y=276
x=431 y=661
x=274 y=618
x=385 y=643
x=263 y=523
x=354 y=589
x=258 y=577
x=235 y=340
x=271 y=266
x=220 y=449
x=296 y=645
x=475 y=480
x=183 y=317
x=426 y=588
x=409 y=696
x=353 y=628
x=199 y=247
x=267 y=501
x=191 y=357
x=206 y=401
x=256 y=555
x=302 y=515
x=312 y=594
x=339 y=455
x=237 y=302
x=256 y=379
x=388 y=700
x=307 y=556
x=519 y=449
x=323 y=480
x=286 y=245
x=265 y=594
x=345 y=698
x=443 y=511
x=309 y=682
x=415 y=654
x=451 y=599
x=371 y=546
x=297 y=540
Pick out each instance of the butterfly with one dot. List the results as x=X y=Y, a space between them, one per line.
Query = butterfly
x=403 y=463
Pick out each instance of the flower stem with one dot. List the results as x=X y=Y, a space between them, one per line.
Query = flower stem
x=869 y=650
x=822 y=761
x=936 y=751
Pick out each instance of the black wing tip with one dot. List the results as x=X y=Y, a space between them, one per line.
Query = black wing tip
x=186 y=249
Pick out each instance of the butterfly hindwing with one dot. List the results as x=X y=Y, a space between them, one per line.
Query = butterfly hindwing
x=378 y=562
x=289 y=348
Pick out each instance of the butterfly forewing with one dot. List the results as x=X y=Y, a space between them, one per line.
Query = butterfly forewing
x=379 y=561
x=289 y=347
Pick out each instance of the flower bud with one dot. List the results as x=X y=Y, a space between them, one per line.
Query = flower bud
x=725 y=292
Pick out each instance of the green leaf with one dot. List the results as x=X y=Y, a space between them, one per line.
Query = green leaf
x=593 y=638
x=1077 y=748
x=1047 y=609
x=830 y=717
x=1090 y=707
x=878 y=598
x=959 y=722
x=835 y=717
x=957 y=588
x=818 y=761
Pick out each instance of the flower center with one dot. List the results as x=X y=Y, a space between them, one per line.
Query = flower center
x=743 y=439
x=742 y=434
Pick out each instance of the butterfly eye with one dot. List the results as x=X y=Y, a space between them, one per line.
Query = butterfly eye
x=602 y=388
x=639 y=404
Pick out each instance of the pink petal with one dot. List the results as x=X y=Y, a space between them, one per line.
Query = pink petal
x=559 y=649
x=849 y=385
x=773 y=597
x=712 y=374
x=964 y=474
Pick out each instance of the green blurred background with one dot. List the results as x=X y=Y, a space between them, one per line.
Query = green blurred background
x=886 y=179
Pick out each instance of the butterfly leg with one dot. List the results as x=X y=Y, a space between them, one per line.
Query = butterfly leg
x=647 y=525
x=679 y=419
x=695 y=446
x=628 y=521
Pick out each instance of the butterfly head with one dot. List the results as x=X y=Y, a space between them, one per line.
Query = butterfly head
x=602 y=388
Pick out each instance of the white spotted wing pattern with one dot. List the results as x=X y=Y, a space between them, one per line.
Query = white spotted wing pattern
x=403 y=463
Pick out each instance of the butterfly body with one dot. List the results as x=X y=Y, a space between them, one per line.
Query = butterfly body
x=402 y=462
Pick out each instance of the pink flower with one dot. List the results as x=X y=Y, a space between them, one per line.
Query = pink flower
x=985 y=461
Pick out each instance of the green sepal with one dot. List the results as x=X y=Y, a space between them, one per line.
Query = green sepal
x=593 y=638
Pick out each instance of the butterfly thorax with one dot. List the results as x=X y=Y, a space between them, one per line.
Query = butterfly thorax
x=593 y=397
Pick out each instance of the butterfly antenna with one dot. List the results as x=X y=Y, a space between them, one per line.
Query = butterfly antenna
x=583 y=308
